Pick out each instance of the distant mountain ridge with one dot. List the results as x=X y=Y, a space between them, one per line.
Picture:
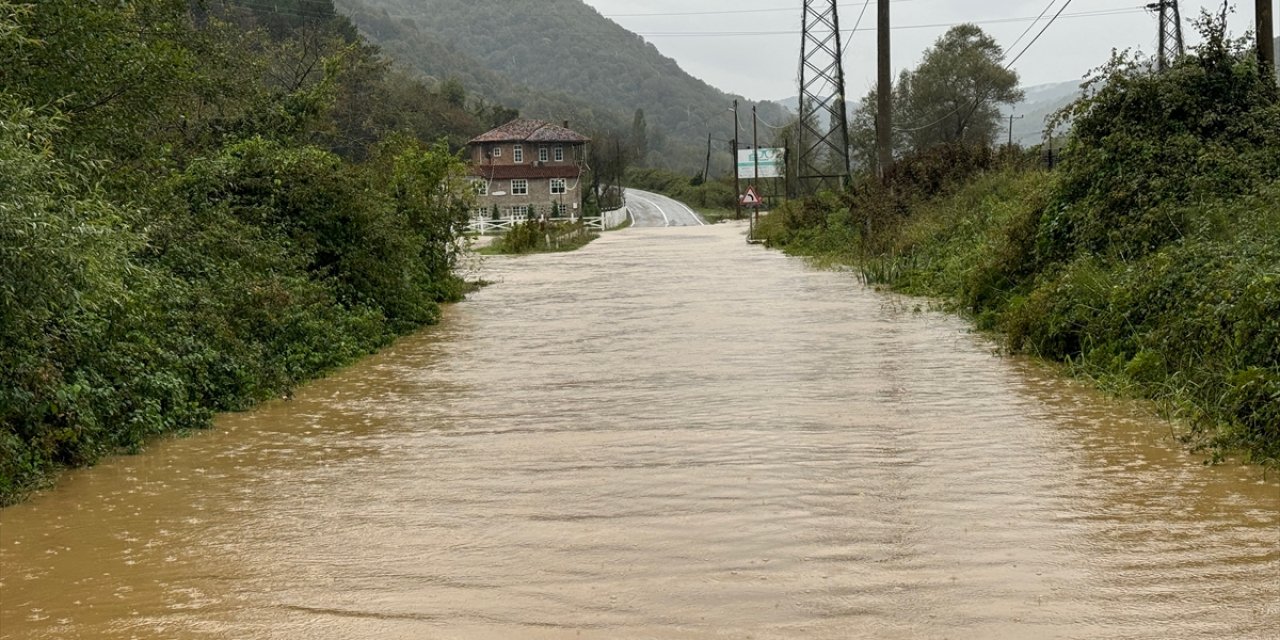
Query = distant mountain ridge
x=555 y=60
x=1040 y=102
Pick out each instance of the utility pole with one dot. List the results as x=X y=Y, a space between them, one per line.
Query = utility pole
x=706 y=169
x=737 y=185
x=1266 y=38
x=884 y=89
x=1170 y=43
x=755 y=158
x=824 y=119
x=1011 y=119
x=755 y=146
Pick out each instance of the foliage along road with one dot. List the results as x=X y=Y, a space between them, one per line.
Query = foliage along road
x=656 y=210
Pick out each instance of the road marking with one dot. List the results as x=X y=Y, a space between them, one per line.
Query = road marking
x=666 y=221
x=658 y=206
x=696 y=218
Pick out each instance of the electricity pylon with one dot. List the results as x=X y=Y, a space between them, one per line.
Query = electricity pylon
x=1170 y=43
x=824 y=121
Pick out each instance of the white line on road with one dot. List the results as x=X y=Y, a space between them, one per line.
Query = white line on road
x=696 y=218
x=658 y=206
x=665 y=220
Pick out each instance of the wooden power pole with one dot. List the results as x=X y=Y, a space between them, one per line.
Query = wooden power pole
x=706 y=168
x=884 y=92
x=737 y=184
x=1266 y=37
x=1011 y=119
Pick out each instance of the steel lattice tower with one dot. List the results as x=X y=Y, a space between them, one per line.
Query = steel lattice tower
x=1170 y=43
x=824 y=126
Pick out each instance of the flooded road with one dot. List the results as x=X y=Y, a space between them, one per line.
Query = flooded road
x=667 y=434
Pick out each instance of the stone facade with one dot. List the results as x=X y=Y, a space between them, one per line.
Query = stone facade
x=528 y=168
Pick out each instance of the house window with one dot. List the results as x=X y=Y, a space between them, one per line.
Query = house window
x=559 y=154
x=559 y=186
x=519 y=212
x=497 y=152
x=519 y=187
x=517 y=153
x=559 y=210
x=543 y=154
x=480 y=187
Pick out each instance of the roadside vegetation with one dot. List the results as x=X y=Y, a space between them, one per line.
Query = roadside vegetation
x=202 y=205
x=1148 y=260
x=541 y=236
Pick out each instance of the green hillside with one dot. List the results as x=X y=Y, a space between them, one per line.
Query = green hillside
x=558 y=59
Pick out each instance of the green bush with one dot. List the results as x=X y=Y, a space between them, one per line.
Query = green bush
x=171 y=244
x=1144 y=146
x=1149 y=260
x=542 y=236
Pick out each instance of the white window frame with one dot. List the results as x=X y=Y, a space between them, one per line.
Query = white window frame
x=480 y=186
x=563 y=185
x=522 y=189
x=518 y=212
x=559 y=154
x=544 y=154
x=517 y=154
x=497 y=151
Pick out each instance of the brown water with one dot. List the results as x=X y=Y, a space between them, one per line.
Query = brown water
x=668 y=434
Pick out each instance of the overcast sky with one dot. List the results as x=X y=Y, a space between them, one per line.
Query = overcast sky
x=764 y=67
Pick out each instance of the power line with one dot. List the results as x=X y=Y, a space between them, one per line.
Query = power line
x=1037 y=38
x=273 y=9
x=715 y=34
x=1007 y=67
x=718 y=13
x=1032 y=25
x=858 y=23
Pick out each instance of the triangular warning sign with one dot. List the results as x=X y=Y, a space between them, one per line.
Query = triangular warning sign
x=751 y=199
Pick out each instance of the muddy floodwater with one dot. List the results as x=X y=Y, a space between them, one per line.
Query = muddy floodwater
x=667 y=434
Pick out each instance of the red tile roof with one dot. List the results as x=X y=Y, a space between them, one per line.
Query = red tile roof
x=508 y=171
x=525 y=130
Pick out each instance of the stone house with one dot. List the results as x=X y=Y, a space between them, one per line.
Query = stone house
x=528 y=168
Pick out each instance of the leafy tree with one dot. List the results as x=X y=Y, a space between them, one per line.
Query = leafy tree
x=126 y=62
x=453 y=92
x=953 y=97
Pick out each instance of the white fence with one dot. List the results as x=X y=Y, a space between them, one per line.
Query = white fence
x=485 y=225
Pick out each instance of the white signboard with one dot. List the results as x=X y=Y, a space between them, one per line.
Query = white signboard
x=772 y=163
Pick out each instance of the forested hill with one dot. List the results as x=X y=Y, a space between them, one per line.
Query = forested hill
x=557 y=59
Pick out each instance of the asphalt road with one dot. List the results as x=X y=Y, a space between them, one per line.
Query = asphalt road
x=656 y=210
